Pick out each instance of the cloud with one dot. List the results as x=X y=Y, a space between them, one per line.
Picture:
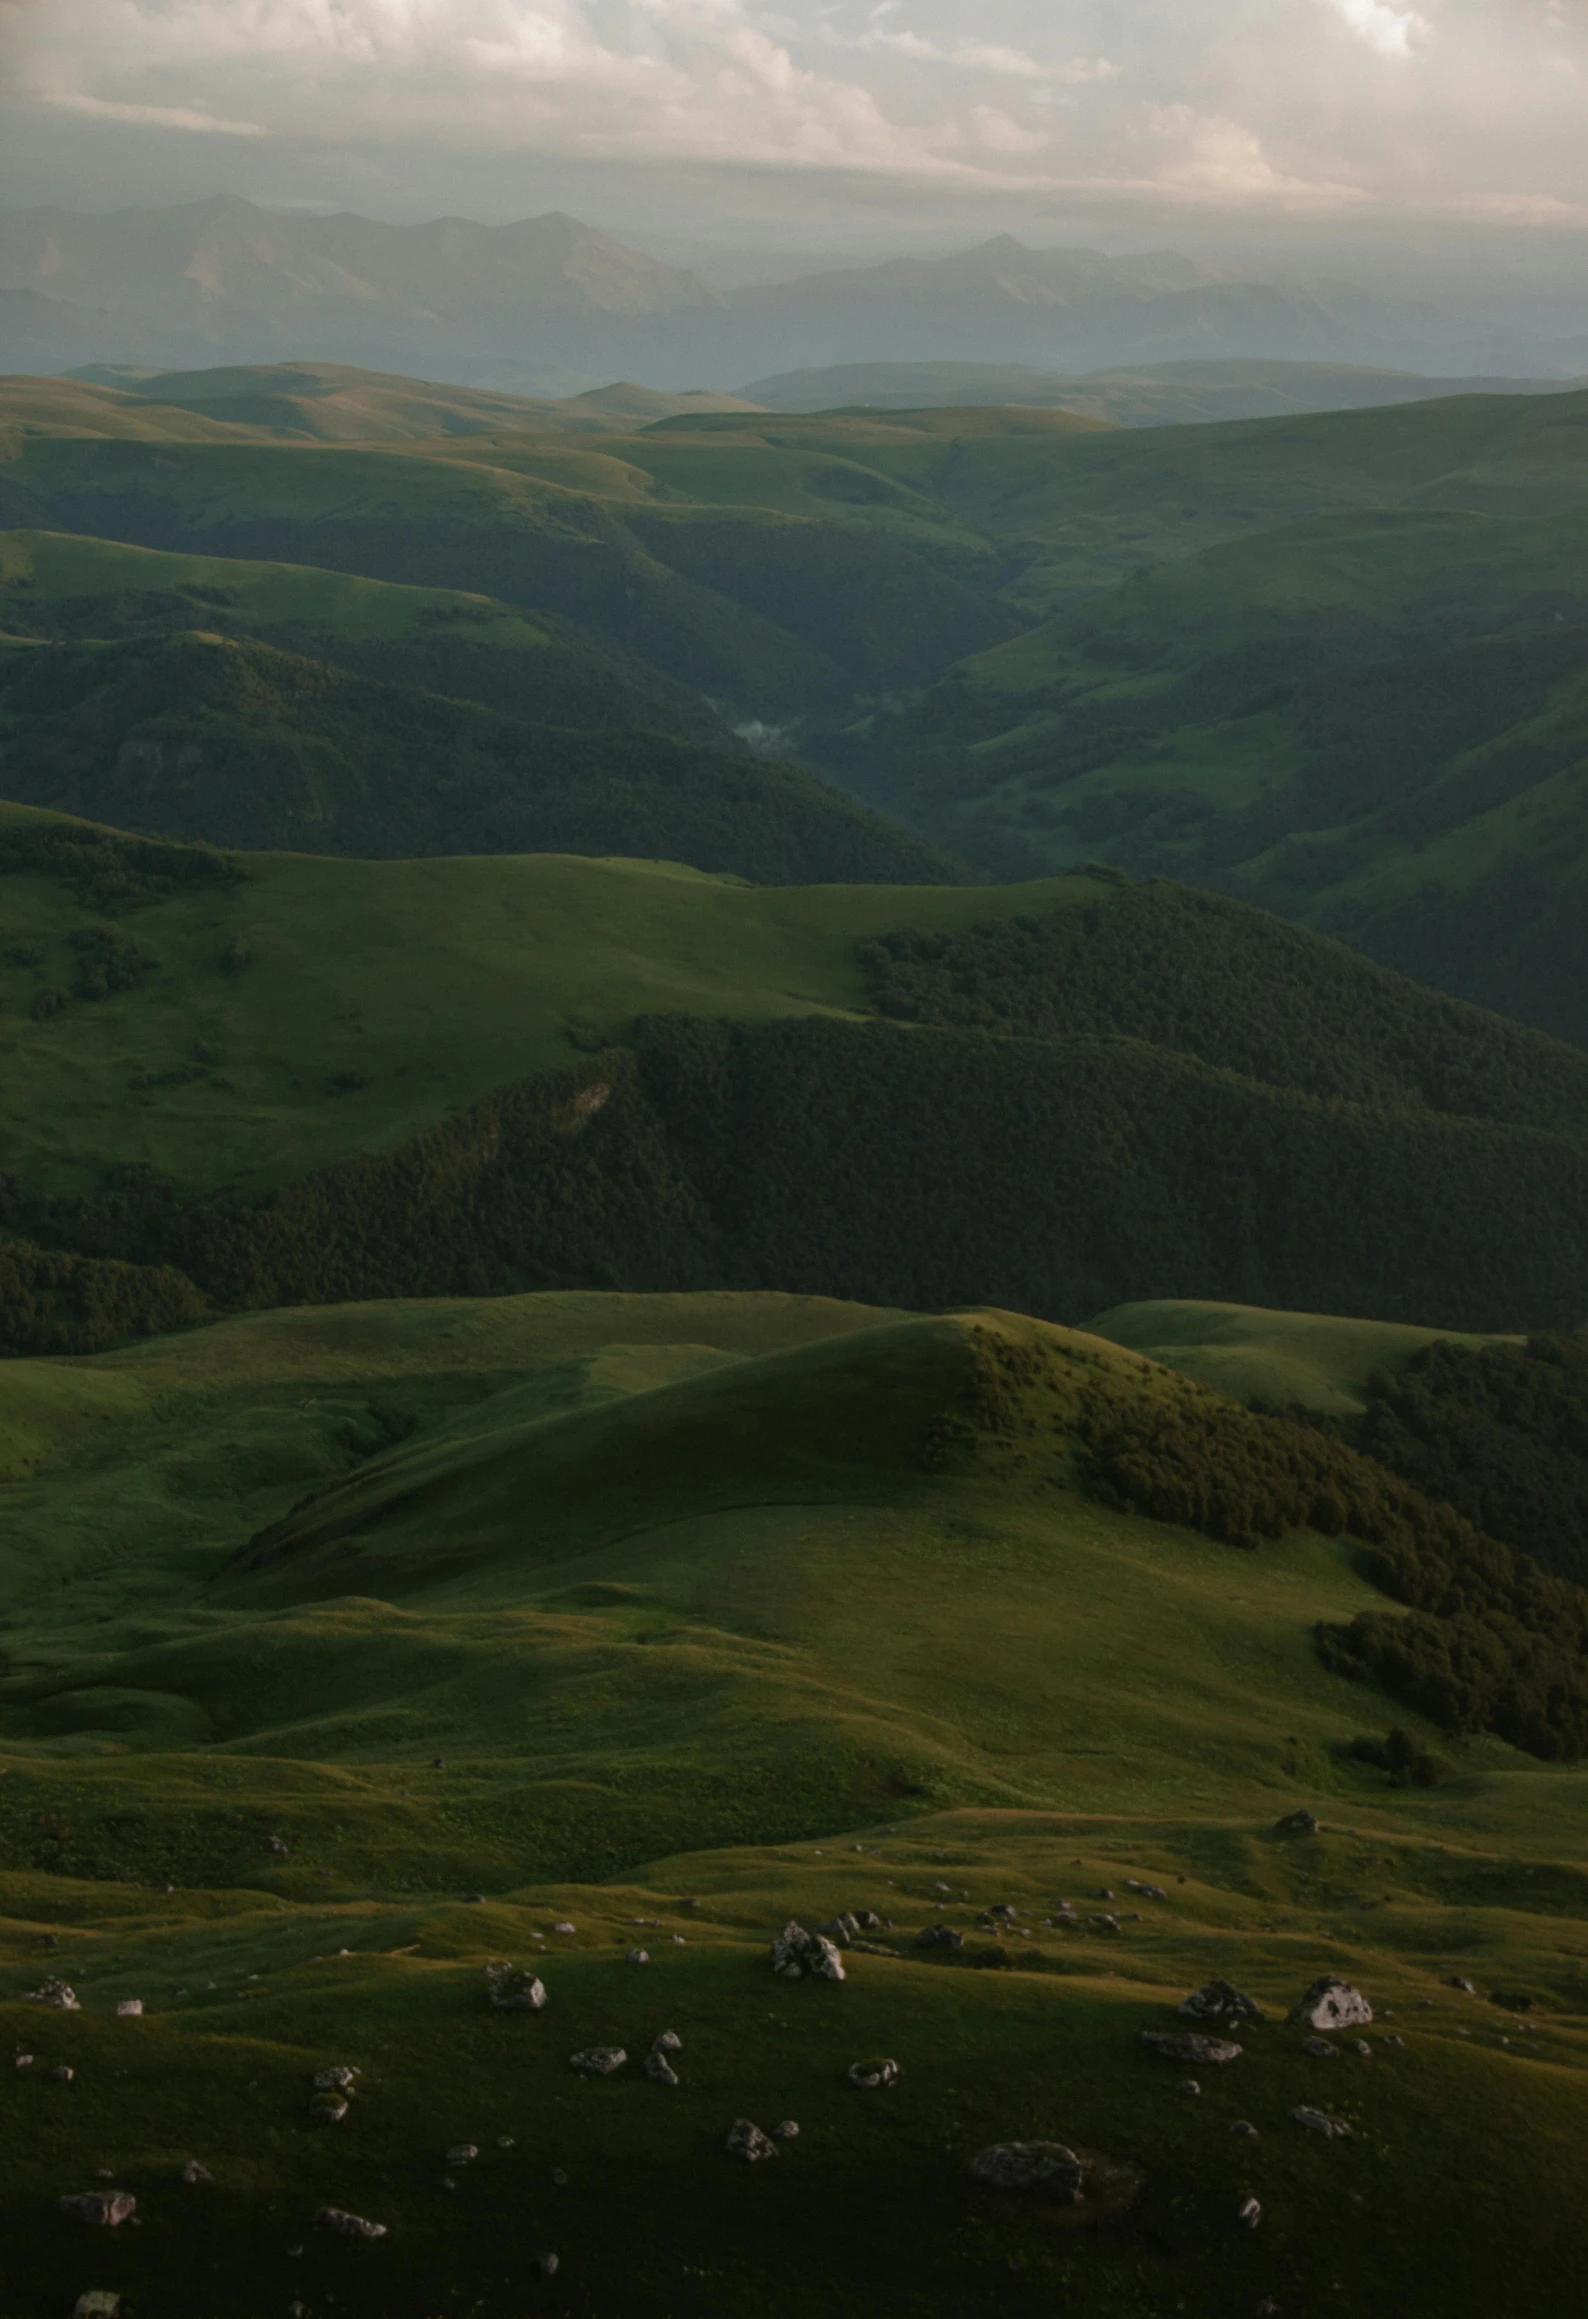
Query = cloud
x=1454 y=107
x=1391 y=30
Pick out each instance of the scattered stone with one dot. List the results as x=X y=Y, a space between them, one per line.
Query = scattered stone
x=799 y=1955
x=940 y=1886
x=748 y=2142
x=1103 y=1893
x=104 y=2208
x=1467 y=1988
x=62 y=2073
x=1219 y=2001
x=872 y=2073
x=97 y=2303
x=869 y=1921
x=104 y=2174
x=787 y=2130
x=505 y=2141
x=940 y=1936
x=690 y=1902
x=129 y=2008
x=548 y=2265
x=1105 y=1923
x=1188 y=2085
x=565 y=1928
x=49 y=1940
x=1187 y=2045
x=1267 y=2309
x=474 y=1900
x=1318 y=2122
x=1333 y=2004
x=462 y=2154
x=194 y=2172
x=348 y=2225
x=841 y=1928
x=329 y=2109
x=275 y=1844
x=1392 y=2040
x=559 y=2177
x=1301 y=1823
x=513 y=1989
x=1319 y=2048
x=23 y=2061
x=658 y=2066
x=1360 y=2045
x=1244 y=2126
x=1249 y=2213
x=1045 y=2169
x=337 y=2079
x=637 y=1956
x=56 y=1995
x=599 y=2060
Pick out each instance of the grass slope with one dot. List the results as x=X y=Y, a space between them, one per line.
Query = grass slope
x=797 y=1673
x=58 y=587
x=195 y=736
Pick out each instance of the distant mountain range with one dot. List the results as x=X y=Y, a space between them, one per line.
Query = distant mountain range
x=548 y=304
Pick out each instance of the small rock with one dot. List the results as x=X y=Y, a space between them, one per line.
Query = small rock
x=1467 y=1988
x=1244 y=2126
x=474 y=1900
x=1318 y=2122
x=1045 y=2169
x=49 y=1940
x=690 y=1902
x=62 y=2073
x=194 y=2172
x=104 y=2174
x=668 y=2042
x=1102 y=1893
x=1333 y=2004
x=23 y=2061
x=637 y=1957
x=329 y=2109
x=658 y=2066
x=1187 y=2045
x=1393 y=2040
x=1319 y=2048
x=337 y=2079
x=940 y=1936
x=787 y=2130
x=1301 y=1823
x=56 y=1995
x=872 y=2073
x=104 y=2208
x=869 y=1921
x=129 y=2008
x=1188 y=2085
x=348 y=2225
x=599 y=2060
x=548 y=2265
x=513 y=1989
x=1105 y=1923
x=748 y=2142
x=940 y=1886
x=798 y=1955
x=1360 y=2045
x=841 y=1928
x=565 y=1928
x=462 y=2154
x=275 y=1844
x=1249 y=2213
x=505 y=2141
x=98 y=2303
x=1219 y=2001
x=1266 y=2309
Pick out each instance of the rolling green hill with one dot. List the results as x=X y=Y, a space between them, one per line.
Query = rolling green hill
x=197 y=736
x=294 y=1781
x=287 y=1079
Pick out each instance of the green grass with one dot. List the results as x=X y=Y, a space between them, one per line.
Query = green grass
x=1317 y=1360
x=718 y=1634
x=432 y=981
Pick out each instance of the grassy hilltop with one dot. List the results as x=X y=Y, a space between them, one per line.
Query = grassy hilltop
x=881 y=1646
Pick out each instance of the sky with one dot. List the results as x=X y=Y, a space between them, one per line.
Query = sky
x=815 y=117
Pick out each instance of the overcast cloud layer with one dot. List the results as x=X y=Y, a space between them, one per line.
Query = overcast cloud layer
x=1453 y=109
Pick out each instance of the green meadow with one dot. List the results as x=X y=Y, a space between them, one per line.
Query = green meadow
x=701 y=1643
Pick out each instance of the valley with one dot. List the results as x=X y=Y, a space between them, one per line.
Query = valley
x=763 y=1166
